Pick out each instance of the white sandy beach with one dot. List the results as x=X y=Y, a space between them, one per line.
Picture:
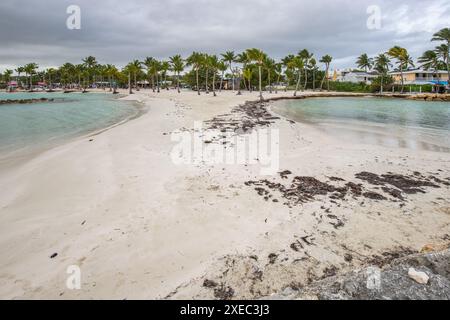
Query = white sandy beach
x=141 y=227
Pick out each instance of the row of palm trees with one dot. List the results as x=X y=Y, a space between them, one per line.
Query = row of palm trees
x=437 y=59
x=213 y=65
x=300 y=69
x=89 y=71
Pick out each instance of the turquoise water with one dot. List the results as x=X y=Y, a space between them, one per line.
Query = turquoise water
x=25 y=128
x=417 y=125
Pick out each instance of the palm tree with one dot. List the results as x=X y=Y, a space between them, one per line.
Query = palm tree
x=313 y=67
x=444 y=35
x=364 y=62
x=50 y=72
x=230 y=57
x=129 y=70
x=196 y=60
x=286 y=61
x=19 y=71
x=269 y=65
x=247 y=75
x=297 y=64
x=165 y=67
x=149 y=65
x=245 y=61
x=110 y=72
x=382 y=64
x=306 y=56
x=404 y=60
x=327 y=61
x=429 y=60
x=30 y=69
x=78 y=70
x=258 y=57
x=442 y=52
x=222 y=67
x=206 y=63
x=135 y=67
x=7 y=77
x=90 y=63
x=213 y=62
x=177 y=67
x=278 y=69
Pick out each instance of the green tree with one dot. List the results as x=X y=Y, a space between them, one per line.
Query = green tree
x=258 y=56
x=306 y=56
x=30 y=70
x=177 y=64
x=381 y=65
x=213 y=63
x=444 y=35
x=222 y=67
x=364 y=62
x=196 y=61
x=269 y=65
x=297 y=64
x=229 y=57
x=404 y=61
x=90 y=63
x=327 y=59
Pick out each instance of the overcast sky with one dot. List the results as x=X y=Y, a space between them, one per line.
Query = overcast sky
x=117 y=31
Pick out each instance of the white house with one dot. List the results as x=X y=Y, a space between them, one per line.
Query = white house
x=356 y=76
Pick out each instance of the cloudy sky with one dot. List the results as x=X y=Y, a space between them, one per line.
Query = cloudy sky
x=118 y=31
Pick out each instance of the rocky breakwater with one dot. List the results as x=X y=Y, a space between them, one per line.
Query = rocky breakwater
x=430 y=97
x=26 y=101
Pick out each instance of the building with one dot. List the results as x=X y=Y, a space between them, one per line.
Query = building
x=421 y=77
x=355 y=76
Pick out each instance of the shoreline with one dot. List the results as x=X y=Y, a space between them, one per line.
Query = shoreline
x=13 y=158
x=141 y=227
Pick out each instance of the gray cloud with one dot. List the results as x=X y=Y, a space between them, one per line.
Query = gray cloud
x=118 y=31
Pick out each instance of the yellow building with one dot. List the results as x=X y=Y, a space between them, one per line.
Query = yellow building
x=421 y=77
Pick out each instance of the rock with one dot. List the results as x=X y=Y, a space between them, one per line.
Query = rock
x=392 y=282
x=433 y=248
x=418 y=276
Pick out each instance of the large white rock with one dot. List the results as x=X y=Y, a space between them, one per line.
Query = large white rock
x=418 y=276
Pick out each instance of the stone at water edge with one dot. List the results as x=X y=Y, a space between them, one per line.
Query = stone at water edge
x=418 y=276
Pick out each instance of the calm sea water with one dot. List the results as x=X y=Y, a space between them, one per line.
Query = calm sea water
x=25 y=128
x=417 y=125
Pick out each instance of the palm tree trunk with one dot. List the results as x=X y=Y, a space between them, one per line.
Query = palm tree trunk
x=381 y=85
x=328 y=78
x=232 y=75
x=401 y=75
x=178 y=82
x=323 y=81
x=207 y=88
x=214 y=84
x=260 y=84
x=198 y=84
x=306 y=79
x=314 y=80
x=221 y=82
x=297 y=85
x=157 y=82
x=130 y=91
x=270 y=84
